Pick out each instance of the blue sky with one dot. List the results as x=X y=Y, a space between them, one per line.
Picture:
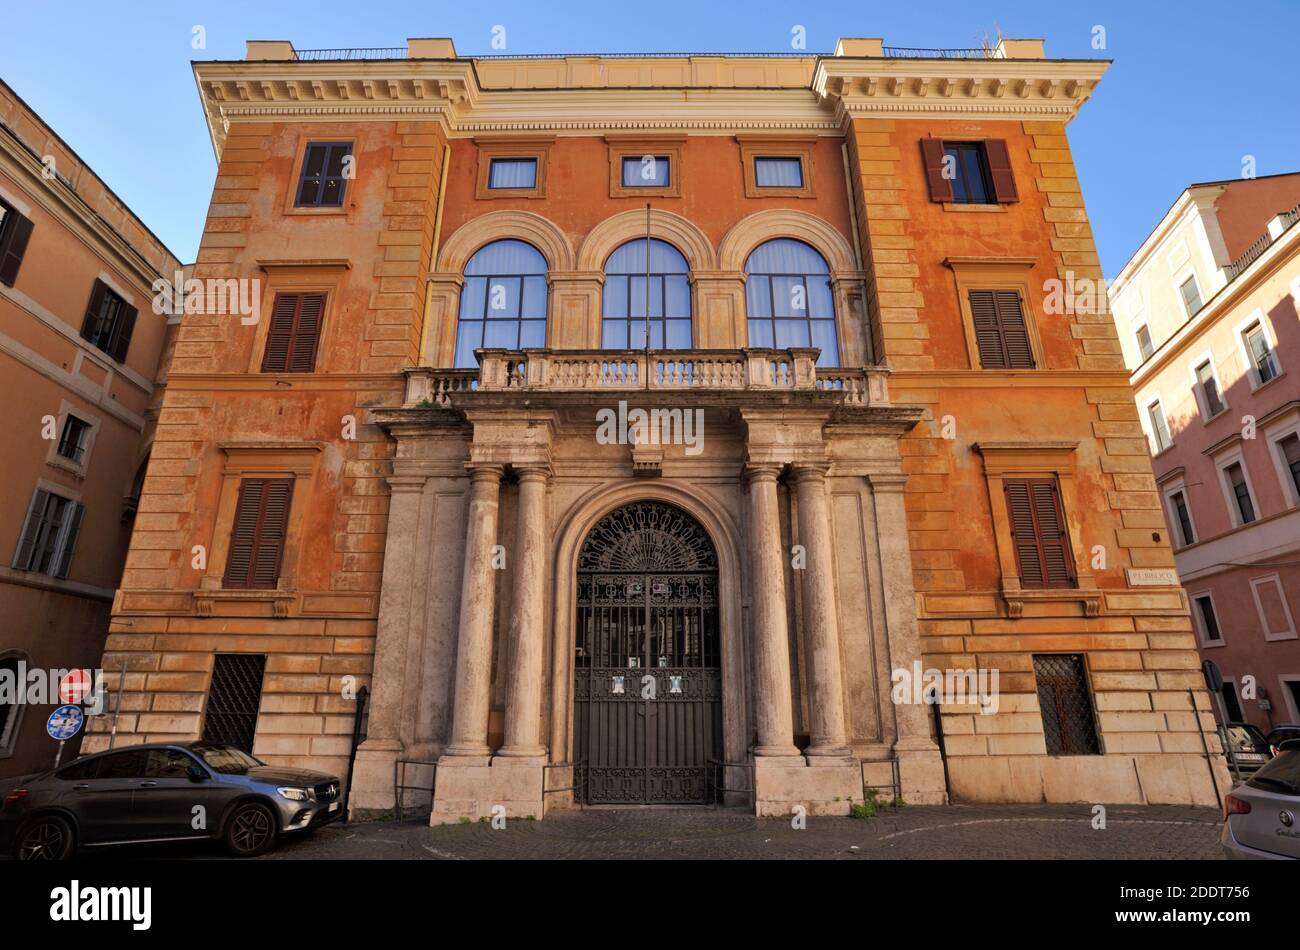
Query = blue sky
x=1195 y=87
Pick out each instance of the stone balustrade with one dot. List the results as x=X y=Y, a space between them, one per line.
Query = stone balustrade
x=757 y=369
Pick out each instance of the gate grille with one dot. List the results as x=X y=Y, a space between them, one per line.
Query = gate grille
x=648 y=683
x=1069 y=727
x=234 y=699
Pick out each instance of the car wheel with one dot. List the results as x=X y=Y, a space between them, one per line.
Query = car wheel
x=47 y=838
x=250 y=831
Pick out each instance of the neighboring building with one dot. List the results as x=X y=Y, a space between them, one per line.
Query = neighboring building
x=413 y=473
x=1207 y=315
x=82 y=357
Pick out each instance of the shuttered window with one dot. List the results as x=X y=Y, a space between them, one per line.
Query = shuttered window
x=1001 y=332
x=969 y=172
x=1069 y=726
x=257 y=538
x=15 y=230
x=109 y=322
x=1038 y=532
x=294 y=336
x=49 y=534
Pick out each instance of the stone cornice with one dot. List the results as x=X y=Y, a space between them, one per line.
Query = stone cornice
x=957 y=88
x=802 y=96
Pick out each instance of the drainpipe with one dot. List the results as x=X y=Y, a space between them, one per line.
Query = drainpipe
x=938 y=735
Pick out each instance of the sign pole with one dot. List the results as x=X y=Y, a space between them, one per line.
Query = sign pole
x=58 y=756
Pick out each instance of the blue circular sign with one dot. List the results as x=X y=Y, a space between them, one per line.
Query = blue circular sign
x=65 y=722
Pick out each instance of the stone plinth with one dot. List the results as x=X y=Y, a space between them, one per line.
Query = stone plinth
x=784 y=783
x=474 y=791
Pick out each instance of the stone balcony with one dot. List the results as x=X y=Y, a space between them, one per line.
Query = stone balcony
x=763 y=374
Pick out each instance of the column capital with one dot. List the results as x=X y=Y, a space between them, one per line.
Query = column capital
x=485 y=471
x=762 y=471
x=532 y=471
x=403 y=484
x=813 y=472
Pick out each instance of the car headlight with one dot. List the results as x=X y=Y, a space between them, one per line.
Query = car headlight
x=295 y=794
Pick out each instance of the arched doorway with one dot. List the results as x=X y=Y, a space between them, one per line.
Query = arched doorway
x=647 y=664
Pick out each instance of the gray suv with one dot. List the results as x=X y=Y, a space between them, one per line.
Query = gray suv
x=163 y=792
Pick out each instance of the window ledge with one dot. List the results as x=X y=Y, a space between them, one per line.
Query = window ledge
x=1256 y=387
x=973 y=206
x=1015 y=600
x=279 y=600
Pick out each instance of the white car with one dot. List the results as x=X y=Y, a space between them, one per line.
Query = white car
x=1261 y=818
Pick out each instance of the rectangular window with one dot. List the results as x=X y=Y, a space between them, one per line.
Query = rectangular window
x=647 y=171
x=15 y=230
x=1211 y=403
x=326 y=166
x=1184 y=517
x=1069 y=726
x=294 y=334
x=1144 y=343
x=1261 y=353
x=1001 y=331
x=1209 y=622
x=234 y=699
x=257 y=536
x=778 y=172
x=1240 y=492
x=1290 y=449
x=1191 y=296
x=1231 y=706
x=49 y=534
x=969 y=172
x=1039 y=533
x=1159 y=427
x=72 y=442
x=512 y=173
x=109 y=322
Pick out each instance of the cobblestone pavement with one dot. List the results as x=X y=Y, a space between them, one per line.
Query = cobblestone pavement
x=910 y=832
x=958 y=831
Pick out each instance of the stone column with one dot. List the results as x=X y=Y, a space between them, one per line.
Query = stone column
x=820 y=617
x=527 y=631
x=771 y=643
x=474 y=644
x=373 y=777
x=919 y=765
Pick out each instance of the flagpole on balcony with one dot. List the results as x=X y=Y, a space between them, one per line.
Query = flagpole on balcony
x=647 y=295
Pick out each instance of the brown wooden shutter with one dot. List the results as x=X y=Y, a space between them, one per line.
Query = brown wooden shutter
x=93 y=308
x=932 y=155
x=292 y=340
x=1039 y=533
x=13 y=246
x=1004 y=181
x=257 y=536
x=1015 y=333
x=306 y=334
x=1001 y=332
x=122 y=336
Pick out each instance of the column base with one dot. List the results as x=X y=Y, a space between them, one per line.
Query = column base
x=827 y=789
x=920 y=771
x=371 y=794
x=505 y=788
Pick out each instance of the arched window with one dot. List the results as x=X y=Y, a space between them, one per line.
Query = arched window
x=788 y=299
x=503 y=304
x=623 y=310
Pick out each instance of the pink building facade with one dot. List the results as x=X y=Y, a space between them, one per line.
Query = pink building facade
x=1207 y=318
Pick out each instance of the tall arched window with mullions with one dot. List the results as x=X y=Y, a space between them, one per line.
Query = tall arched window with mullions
x=788 y=299
x=503 y=303
x=623 y=309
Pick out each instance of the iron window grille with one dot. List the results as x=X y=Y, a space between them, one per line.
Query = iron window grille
x=1069 y=724
x=234 y=699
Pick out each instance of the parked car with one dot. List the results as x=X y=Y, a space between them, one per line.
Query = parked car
x=1279 y=734
x=163 y=792
x=1261 y=819
x=1249 y=747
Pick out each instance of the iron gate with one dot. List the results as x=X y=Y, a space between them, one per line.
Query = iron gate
x=648 y=681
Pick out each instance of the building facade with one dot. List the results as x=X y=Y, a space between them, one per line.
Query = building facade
x=1207 y=314
x=857 y=452
x=82 y=360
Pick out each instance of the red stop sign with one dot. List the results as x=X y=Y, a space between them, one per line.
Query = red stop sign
x=74 y=687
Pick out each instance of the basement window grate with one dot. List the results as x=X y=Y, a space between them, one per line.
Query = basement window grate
x=234 y=698
x=1069 y=727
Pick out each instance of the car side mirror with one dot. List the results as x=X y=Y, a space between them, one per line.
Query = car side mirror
x=196 y=774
